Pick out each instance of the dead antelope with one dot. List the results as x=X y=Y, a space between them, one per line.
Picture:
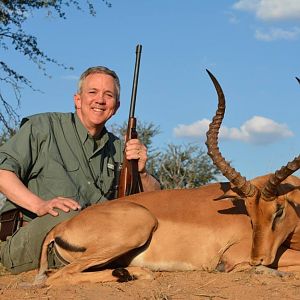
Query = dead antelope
x=217 y=226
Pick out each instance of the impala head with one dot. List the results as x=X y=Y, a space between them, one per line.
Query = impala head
x=270 y=200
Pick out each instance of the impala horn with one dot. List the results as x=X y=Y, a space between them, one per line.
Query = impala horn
x=269 y=191
x=240 y=182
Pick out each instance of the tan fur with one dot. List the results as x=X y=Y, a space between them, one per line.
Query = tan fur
x=207 y=228
x=176 y=230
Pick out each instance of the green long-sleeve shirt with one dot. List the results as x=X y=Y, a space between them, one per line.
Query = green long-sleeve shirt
x=54 y=155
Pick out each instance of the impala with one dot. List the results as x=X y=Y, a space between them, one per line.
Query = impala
x=220 y=226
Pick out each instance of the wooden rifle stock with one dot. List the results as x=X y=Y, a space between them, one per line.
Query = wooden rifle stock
x=130 y=180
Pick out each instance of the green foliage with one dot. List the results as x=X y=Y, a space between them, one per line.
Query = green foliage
x=146 y=131
x=184 y=166
x=178 y=166
x=13 y=14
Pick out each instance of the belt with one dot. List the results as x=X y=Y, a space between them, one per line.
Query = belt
x=10 y=222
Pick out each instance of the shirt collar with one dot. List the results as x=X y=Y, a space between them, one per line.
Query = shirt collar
x=84 y=135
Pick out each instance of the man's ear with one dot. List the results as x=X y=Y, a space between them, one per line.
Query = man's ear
x=117 y=106
x=77 y=101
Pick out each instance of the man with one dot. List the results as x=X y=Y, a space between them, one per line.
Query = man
x=59 y=163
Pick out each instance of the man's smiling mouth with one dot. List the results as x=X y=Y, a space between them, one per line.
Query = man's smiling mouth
x=98 y=109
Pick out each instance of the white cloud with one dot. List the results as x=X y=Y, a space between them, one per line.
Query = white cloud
x=197 y=129
x=248 y=5
x=258 y=130
x=277 y=34
x=271 y=9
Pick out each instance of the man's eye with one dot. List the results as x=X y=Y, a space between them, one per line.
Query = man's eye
x=109 y=96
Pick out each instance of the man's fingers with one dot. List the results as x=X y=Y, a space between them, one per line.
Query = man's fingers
x=69 y=203
x=53 y=212
x=60 y=203
x=62 y=207
x=135 y=150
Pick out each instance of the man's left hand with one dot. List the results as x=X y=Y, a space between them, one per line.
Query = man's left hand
x=136 y=150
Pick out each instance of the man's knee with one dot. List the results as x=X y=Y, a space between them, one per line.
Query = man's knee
x=21 y=251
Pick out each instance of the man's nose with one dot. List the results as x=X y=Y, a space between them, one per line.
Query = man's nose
x=101 y=98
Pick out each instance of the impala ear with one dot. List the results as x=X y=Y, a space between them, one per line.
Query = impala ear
x=229 y=194
x=294 y=196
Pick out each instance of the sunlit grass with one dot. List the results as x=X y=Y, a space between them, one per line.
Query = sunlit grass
x=3 y=271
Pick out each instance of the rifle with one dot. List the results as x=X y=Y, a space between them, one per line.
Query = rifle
x=130 y=180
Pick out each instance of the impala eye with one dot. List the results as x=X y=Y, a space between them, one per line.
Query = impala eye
x=279 y=212
x=278 y=215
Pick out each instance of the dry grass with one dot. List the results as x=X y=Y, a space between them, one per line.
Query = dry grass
x=3 y=271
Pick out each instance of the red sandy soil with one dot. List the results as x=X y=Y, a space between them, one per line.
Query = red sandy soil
x=166 y=285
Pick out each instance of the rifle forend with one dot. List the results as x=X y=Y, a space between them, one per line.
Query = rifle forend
x=130 y=181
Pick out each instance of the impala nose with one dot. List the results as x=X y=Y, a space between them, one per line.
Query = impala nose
x=263 y=260
x=257 y=261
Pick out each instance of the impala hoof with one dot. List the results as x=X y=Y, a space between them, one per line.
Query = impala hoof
x=123 y=275
x=40 y=280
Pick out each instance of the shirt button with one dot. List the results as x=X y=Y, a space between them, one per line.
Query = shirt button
x=89 y=182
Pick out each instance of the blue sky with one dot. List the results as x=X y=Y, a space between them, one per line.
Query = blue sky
x=251 y=46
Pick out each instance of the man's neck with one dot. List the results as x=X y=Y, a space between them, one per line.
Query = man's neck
x=94 y=131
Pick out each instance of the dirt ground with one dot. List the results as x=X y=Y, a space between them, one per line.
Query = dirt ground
x=166 y=285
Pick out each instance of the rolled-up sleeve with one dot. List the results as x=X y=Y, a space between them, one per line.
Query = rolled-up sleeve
x=9 y=163
x=18 y=153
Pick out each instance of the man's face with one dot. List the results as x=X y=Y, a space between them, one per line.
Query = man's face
x=97 y=101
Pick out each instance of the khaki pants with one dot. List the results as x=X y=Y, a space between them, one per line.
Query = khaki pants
x=21 y=252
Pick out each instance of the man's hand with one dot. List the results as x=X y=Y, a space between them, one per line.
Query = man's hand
x=136 y=150
x=64 y=204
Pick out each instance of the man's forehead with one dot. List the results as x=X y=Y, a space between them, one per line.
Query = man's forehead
x=97 y=79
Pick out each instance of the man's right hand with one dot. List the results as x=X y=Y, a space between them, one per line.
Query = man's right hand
x=14 y=189
x=64 y=204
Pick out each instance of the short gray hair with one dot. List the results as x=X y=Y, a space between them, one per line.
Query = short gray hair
x=100 y=70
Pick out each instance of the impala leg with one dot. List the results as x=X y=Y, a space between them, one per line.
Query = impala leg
x=104 y=247
x=73 y=272
x=41 y=276
x=75 y=268
x=288 y=260
x=236 y=256
x=107 y=275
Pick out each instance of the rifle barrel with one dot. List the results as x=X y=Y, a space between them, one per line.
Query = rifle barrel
x=135 y=80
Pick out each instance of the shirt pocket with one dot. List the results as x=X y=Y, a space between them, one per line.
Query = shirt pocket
x=111 y=178
x=59 y=180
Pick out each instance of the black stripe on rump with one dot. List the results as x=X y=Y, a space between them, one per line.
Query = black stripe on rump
x=67 y=246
